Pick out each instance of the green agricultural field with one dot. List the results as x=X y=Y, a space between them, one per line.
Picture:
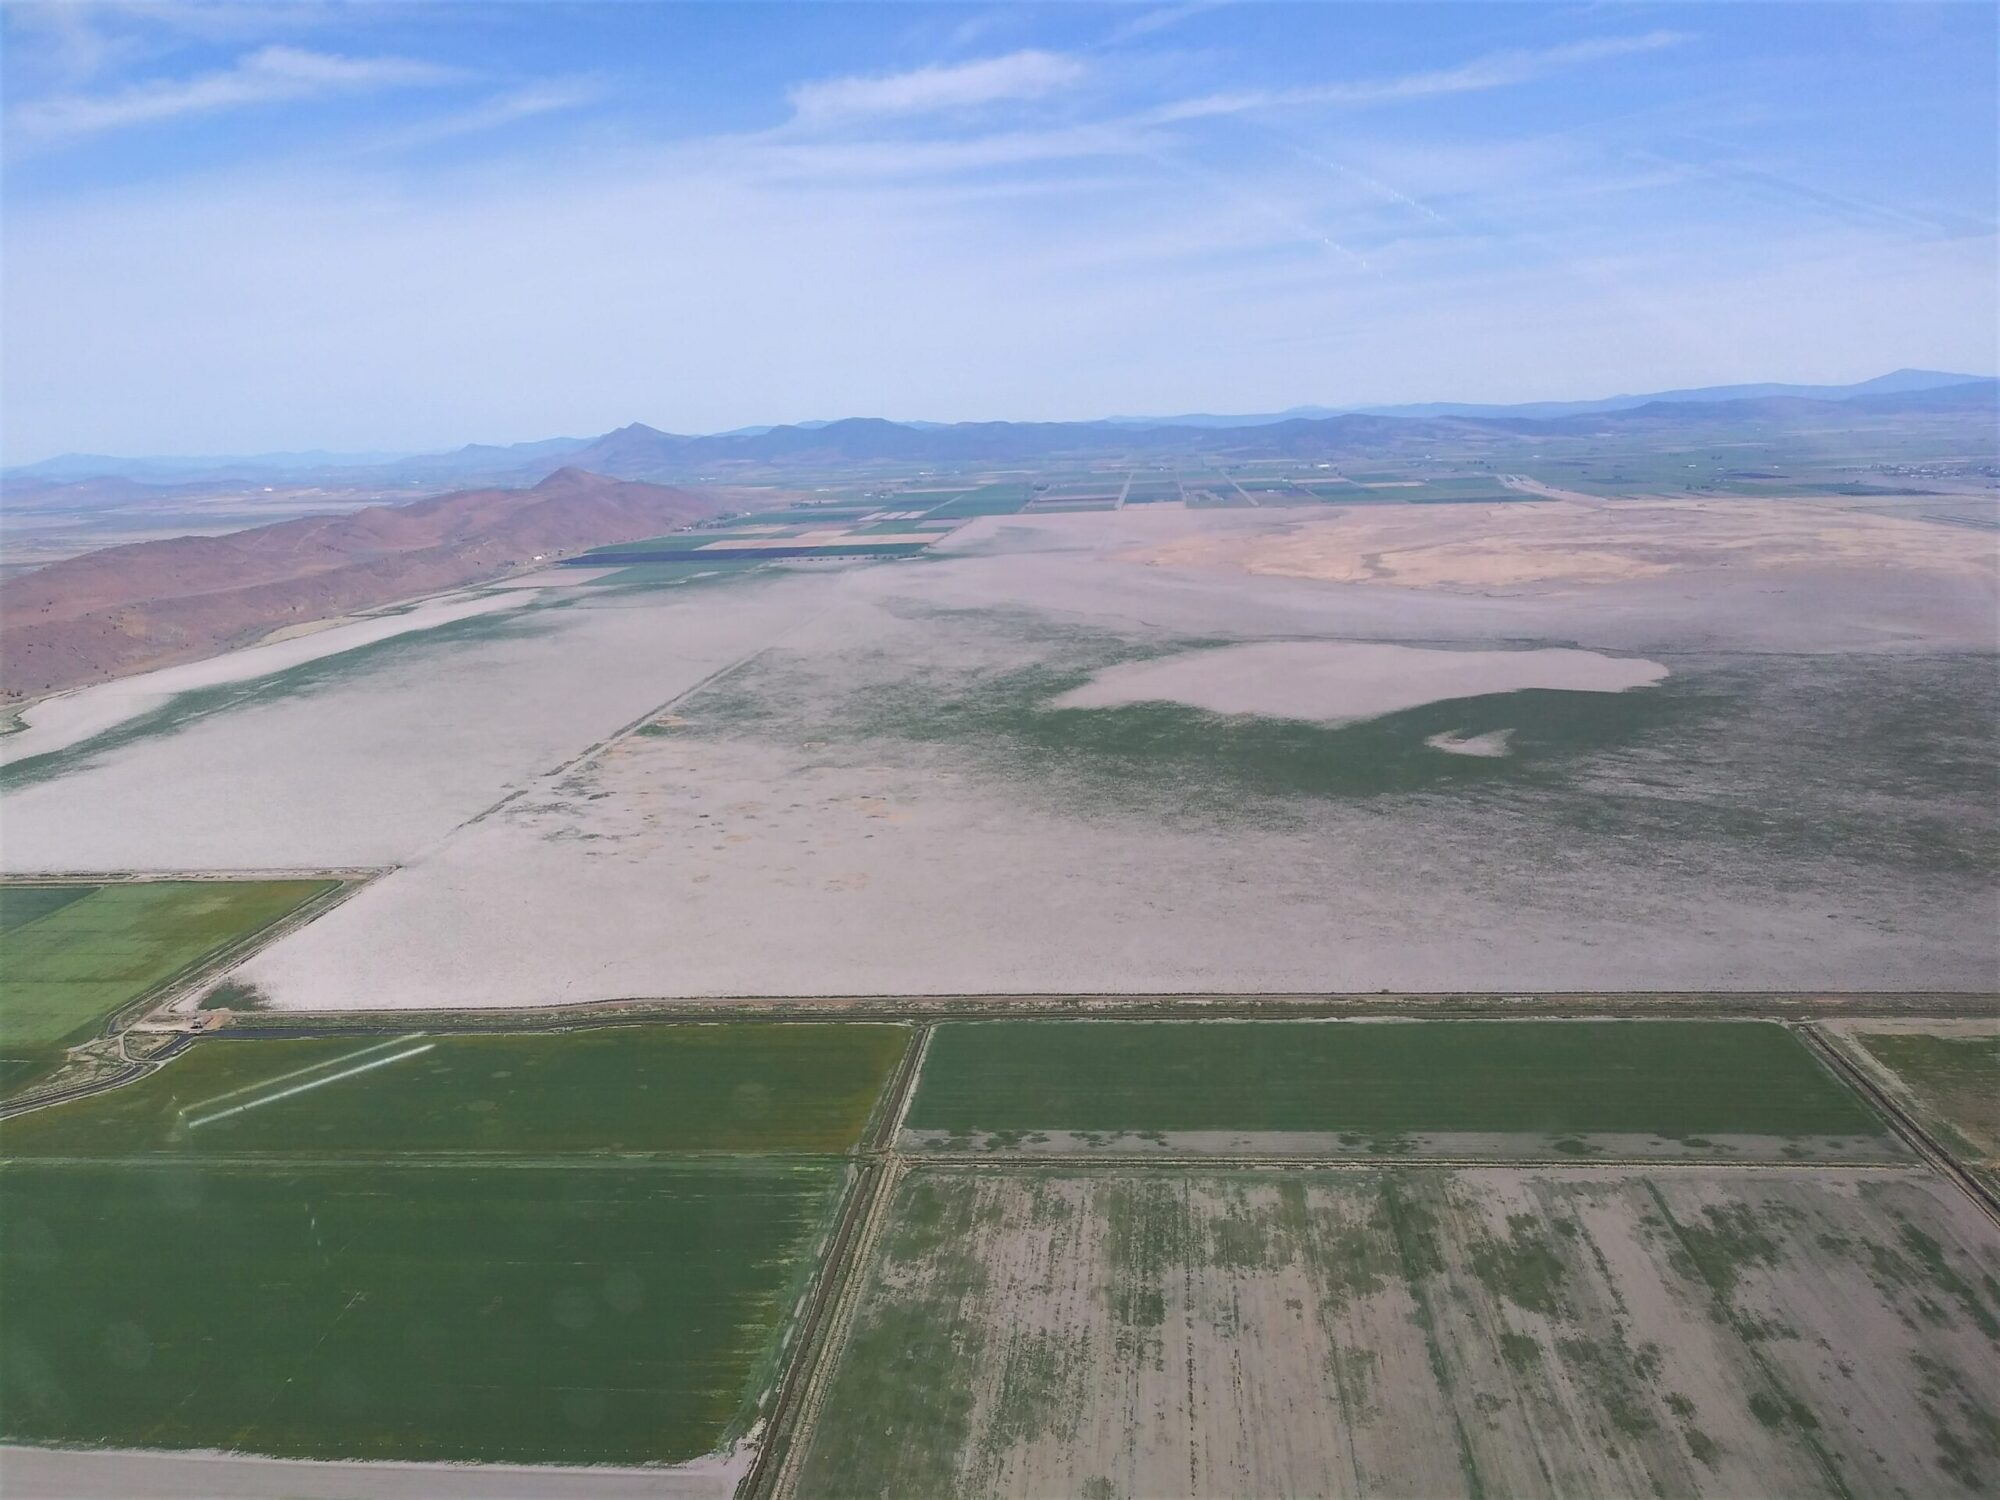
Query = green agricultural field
x=1955 y=1079
x=997 y=499
x=22 y=904
x=636 y=576
x=77 y=953
x=505 y=1313
x=1667 y=1079
x=639 y=1089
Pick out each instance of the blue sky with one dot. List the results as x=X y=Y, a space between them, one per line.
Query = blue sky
x=255 y=226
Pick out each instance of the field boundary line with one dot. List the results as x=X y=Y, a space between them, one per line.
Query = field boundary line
x=843 y=1275
x=1902 y=1121
x=906 y=1087
x=1020 y=1161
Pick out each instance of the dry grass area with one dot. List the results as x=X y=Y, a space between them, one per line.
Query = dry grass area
x=1570 y=543
x=1500 y=1331
x=1946 y=1072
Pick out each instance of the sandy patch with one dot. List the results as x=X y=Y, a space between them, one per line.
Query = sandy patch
x=1490 y=746
x=1572 y=543
x=308 y=627
x=1343 y=681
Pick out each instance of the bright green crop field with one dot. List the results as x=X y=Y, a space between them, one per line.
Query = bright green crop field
x=74 y=954
x=508 y=1313
x=637 y=1089
x=1664 y=1078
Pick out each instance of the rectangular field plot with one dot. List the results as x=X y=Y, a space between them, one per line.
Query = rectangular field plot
x=76 y=953
x=1745 y=1090
x=1497 y=1331
x=637 y=1089
x=1947 y=1072
x=1000 y=498
x=481 y=1312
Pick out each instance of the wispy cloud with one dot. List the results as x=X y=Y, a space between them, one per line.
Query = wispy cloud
x=270 y=75
x=495 y=113
x=1494 y=70
x=1018 y=75
x=1156 y=19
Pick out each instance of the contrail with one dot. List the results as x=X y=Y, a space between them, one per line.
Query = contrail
x=380 y=1062
x=264 y=1083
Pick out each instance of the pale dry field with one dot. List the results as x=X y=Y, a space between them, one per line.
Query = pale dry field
x=1343 y=681
x=93 y=1474
x=856 y=780
x=1496 y=1331
x=368 y=756
x=66 y=719
x=1574 y=542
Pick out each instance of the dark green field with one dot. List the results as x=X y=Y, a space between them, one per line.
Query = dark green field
x=502 y=1313
x=620 y=1089
x=1664 y=1078
x=570 y=1247
x=77 y=953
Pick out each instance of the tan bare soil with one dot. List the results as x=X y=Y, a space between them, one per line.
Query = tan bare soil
x=1548 y=1332
x=1569 y=543
x=1341 y=681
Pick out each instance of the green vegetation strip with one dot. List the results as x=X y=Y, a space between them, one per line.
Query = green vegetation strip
x=497 y=1313
x=1665 y=1078
x=72 y=960
x=774 y=1088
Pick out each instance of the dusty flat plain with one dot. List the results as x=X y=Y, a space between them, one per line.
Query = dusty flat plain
x=856 y=779
x=1498 y=1331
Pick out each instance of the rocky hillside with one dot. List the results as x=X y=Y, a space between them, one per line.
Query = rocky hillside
x=128 y=609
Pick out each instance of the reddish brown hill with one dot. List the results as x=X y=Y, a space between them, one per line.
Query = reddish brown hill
x=128 y=609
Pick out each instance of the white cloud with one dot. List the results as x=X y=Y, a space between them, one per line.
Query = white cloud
x=1495 y=70
x=495 y=113
x=270 y=75
x=1147 y=22
x=1018 y=75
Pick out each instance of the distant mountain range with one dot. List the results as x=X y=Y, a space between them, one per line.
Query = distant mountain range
x=640 y=452
x=1895 y=383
